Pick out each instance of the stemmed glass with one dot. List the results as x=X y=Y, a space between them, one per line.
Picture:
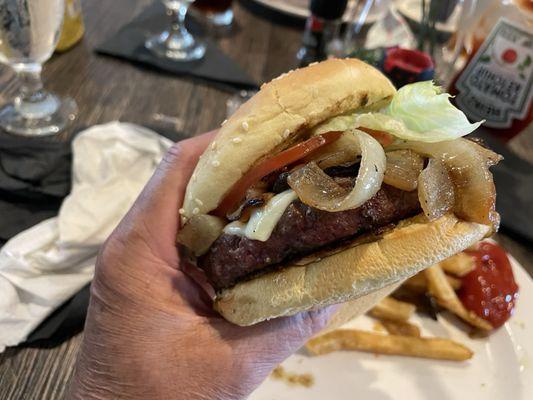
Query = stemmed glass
x=177 y=43
x=29 y=31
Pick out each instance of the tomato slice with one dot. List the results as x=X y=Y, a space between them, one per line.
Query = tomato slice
x=384 y=138
x=286 y=157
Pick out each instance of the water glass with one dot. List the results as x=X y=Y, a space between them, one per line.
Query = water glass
x=29 y=31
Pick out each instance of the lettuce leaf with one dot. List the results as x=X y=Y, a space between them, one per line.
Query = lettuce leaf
x=419 y=111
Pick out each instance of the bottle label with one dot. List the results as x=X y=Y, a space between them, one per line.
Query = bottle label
x=496 y=84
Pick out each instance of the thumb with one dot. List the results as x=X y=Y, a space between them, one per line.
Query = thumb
x=157 y=206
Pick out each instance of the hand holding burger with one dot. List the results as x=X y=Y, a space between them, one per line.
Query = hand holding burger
x=151 y=332
x=329 y=186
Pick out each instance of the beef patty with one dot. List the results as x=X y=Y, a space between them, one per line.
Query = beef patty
x=302 y=230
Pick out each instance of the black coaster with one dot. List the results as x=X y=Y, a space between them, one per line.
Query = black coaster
x=215 y=67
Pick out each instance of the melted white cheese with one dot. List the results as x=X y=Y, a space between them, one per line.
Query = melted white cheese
x=263 y=219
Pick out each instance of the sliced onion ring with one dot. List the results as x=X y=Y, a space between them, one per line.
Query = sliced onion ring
x=340 y=152
x=403 y=169
x=435 y=190
x=468 y=165
x=315 y=188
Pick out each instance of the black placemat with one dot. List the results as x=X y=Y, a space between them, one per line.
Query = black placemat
x=64 y=322
x=34 y=179
x=215 y=68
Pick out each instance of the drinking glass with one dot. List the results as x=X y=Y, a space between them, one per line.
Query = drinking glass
x=29 y=31
x=177 y=43
x=441 y=27
x=363 y=15
x=218 y=12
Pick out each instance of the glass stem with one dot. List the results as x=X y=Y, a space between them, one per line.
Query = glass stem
x=31 y=89
x=177 y=16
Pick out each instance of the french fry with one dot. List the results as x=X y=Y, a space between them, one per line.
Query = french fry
x=437 y=348
x=392 y=309
x=454 y=282
x=401 y=328
x=419 y=283
x=441 y=290
x=459 y=264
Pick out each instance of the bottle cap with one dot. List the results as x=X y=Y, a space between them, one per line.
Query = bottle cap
x=328 y=9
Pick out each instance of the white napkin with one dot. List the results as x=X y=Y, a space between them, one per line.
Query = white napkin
x=43 y=266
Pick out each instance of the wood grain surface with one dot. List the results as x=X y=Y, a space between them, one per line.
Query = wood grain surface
x=108 y=89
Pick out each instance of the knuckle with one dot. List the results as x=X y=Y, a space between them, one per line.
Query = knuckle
x=110 y=251
x=316 y=320
x=174 y=155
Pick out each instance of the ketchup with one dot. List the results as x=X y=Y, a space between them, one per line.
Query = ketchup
x=490 y=289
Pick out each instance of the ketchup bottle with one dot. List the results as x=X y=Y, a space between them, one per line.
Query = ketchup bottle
x=497 y=82
x=321 y=27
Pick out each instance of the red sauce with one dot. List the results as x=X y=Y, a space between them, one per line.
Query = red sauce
x=490 y=289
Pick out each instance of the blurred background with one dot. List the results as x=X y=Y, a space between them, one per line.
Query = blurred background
x=111 y=84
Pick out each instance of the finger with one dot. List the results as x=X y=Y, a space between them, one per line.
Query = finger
x=199 y=278
x=164 y=192
x=277 y=339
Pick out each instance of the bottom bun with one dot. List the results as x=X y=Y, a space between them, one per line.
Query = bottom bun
x=353 y=308
x=351 y=274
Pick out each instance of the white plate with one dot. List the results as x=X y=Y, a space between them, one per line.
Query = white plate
x=300 y=8
x=502 y=367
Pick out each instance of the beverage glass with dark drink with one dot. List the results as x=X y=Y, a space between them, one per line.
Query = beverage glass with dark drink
x=218 y=12
x=29 y=31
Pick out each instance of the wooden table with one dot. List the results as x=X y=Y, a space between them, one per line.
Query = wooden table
x=108 y=89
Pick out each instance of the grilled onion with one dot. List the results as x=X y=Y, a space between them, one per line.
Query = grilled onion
x=435 y=190
x=340 y=152
x=403 y=169
x=315 y=188
x=200 y=232
x=468 y=165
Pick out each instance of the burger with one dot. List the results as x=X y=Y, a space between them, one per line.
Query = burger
x=330 y=186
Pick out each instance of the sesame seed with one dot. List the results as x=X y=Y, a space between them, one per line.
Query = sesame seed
x=181 y=211
x=286 y=133
x=236 y=140
x=245 y=126
x=199 y=202
x=213 y=145
x=195 y=210
x=224 y=122
x=215 y=163
x=268 y=259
